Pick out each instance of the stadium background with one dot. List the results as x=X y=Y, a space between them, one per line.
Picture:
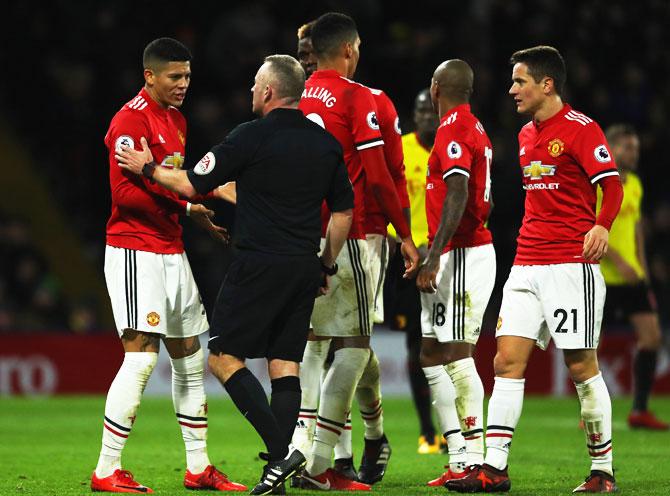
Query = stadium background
x=69 y=66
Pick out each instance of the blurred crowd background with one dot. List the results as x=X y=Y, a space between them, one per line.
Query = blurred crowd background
x=69 y=66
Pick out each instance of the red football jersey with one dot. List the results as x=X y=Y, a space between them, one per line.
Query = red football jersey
x=144 y=214
x=389 y=125
x=461 y=147
x=347 y=110
x=561 y=159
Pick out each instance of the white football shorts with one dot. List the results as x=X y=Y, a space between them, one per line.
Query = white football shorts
x=153 y=292
x=378 y=251
x=563 y=302
x=346 y=310
x=464 y=284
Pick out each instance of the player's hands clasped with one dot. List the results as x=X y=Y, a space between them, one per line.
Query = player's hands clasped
x=595 y=243
x=202 y=216
x=426 y=280
x=133 y=160
x=411 y=256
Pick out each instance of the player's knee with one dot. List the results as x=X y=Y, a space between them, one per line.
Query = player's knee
x=505 y=365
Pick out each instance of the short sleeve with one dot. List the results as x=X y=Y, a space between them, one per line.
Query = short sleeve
x=453 y=147
x=593 y=154
x=340 y=194
x=364 y=120
x=224 y=161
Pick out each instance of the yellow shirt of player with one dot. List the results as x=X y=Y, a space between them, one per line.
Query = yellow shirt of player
x=416 y=169
x=622 y=234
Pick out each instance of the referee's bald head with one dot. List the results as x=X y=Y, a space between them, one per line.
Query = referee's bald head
x=286 y=76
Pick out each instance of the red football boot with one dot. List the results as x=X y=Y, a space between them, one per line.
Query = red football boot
x=447 y=476
x=481 y=479
x=211 y=478
x=597 y=482
x=121 y=481
x=646 y=420
x=331 y=480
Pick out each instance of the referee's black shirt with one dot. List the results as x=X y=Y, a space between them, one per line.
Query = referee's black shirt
x=284 y=166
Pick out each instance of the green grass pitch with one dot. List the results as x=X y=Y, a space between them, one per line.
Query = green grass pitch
x=50 y=447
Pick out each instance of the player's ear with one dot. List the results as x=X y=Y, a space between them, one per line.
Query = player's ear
x=547 y=85
x=149 y=76
x=267 y=94
x=348 y=50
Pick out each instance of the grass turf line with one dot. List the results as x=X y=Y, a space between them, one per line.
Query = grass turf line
x=50 y=447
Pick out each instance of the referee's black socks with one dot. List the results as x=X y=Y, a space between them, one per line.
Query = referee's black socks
x=285 y=404
x=644 y=371
x=249 y=398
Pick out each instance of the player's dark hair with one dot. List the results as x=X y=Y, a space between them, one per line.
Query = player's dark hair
x=305 y=31
x=542 y=61
x=163 y=50
x=288 y=77
x=617 y=131
x=330 y=31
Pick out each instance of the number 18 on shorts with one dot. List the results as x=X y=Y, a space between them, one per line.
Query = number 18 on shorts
x=464 y=285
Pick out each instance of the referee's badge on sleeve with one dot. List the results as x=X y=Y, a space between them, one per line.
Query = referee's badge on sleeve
x=206 y=164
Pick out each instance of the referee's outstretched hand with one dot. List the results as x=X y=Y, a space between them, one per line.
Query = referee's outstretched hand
x=411 y=256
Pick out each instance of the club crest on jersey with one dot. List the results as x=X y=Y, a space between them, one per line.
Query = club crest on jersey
x=396 y=125
x=499 y=324
x=206 y=164
x=555 y=147
x=454 y=150
x=153 y=319
x=601 y=154
x=372 y=121
x=174 y=161
x=122 y=141
x=537 y=169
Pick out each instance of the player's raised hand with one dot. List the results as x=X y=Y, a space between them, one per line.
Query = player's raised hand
x=202 y=216
x=411 y=256
x=595 y=243
x=426 y=280
x=133 y=160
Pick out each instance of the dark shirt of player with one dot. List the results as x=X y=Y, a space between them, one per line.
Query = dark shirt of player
x=284 y=166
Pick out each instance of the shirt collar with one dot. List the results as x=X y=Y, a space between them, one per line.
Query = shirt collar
x=554 y=118
x=153 y=104
x=459 y=108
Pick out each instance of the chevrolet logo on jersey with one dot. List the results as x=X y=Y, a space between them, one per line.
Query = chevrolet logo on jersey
x=537 y=169
x=174 y=161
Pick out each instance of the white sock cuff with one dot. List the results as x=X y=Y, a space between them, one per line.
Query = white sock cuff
x=189 y=364
x=361 y=355
x=434 y=372
x=588 y=382
x=460 y=365
x=140 y=361
x=506 y=384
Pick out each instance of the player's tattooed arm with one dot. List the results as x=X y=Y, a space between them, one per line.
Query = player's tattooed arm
x=452 y=211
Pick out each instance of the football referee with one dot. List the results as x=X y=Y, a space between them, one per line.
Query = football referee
x=284 y=167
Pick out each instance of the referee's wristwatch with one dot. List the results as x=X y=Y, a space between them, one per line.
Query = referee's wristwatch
x=149 y=169
x=329 y=271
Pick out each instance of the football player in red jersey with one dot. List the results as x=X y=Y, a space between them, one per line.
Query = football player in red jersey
x=457 y=277
x=555 y=289
x=150 y=284
x=348 y=111
x=368 y=392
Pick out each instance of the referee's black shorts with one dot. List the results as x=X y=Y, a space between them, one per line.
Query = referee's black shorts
x=622 y=301
x=264 y=306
